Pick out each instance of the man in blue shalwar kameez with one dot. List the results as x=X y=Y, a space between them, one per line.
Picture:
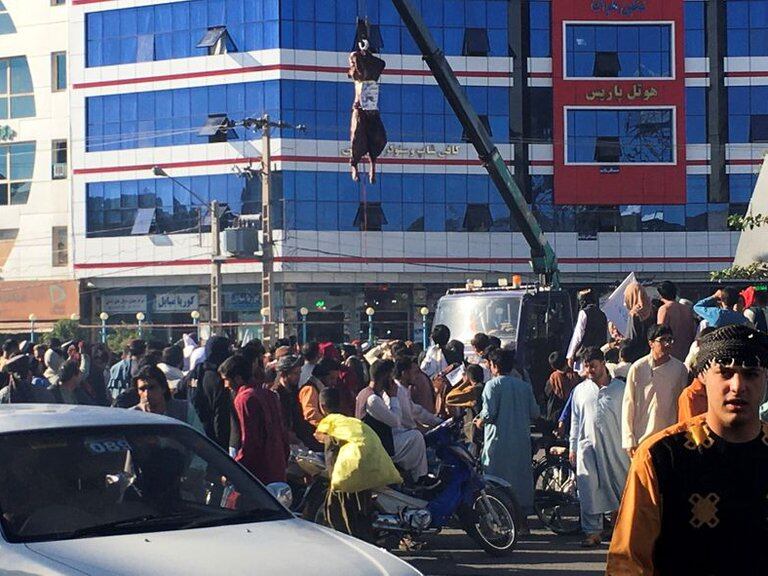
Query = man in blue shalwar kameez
x=509 y=407
x=595 y=444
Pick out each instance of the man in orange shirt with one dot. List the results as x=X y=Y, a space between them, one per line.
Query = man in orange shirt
x=695 y=499
x=692 y=401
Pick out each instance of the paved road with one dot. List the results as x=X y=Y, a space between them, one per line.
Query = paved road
x=453 y=553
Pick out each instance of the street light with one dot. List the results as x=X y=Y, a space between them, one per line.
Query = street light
x=140 y=318
x=370 y=312
x=195 y=319
x=32 y=319
x=424 y=311
x=303 y=311
x=104 y=317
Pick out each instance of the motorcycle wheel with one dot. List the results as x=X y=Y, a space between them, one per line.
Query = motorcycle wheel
x=497 y=539
x=555 y=502
x=314 y=509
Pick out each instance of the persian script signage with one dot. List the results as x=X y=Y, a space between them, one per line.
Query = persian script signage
x=616 y=8
x=637 y=93
x=176 y=302
x=124 y=303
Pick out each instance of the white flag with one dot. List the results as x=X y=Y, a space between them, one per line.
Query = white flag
x=614 y=308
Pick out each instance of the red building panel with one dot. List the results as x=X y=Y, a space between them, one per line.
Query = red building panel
x=611 y=184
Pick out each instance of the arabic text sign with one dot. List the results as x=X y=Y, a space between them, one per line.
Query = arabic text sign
x=124 y=303
x=242 y=301
x=176 y=302
x=618 y=7
x=614 y=308
x=426 y=151
x=636 y=93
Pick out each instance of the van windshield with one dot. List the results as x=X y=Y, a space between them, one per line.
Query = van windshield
x=467 y=315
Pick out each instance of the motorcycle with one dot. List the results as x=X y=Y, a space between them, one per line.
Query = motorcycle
x=483 y=505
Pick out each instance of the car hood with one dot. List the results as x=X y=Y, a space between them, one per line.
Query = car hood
x=286 y=547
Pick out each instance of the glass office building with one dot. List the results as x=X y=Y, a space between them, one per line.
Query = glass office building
x=657 y=109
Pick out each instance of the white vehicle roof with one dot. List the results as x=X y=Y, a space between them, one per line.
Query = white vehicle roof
x=27 y=417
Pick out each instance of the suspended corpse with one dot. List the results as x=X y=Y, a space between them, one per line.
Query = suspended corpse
x=369 y=137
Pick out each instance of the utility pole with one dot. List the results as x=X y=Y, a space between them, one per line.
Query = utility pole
x=267 y=261
x=215 y=267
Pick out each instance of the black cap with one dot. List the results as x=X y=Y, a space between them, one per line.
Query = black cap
x=733 y=346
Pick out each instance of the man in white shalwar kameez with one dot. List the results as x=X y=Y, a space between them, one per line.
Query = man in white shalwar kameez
x=380 y=401
x=595 y=444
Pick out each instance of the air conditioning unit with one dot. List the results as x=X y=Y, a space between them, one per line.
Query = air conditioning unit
x=59 y=171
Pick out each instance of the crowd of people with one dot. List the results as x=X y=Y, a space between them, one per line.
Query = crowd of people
x=640 y=406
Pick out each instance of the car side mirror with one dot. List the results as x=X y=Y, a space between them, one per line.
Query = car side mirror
x=282 y=493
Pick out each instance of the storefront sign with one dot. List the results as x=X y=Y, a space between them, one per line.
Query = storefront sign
x=245 y=301
x=176 y=302
x=124 y=303
x=616 y=8
x=46 y=300
x=617 y=94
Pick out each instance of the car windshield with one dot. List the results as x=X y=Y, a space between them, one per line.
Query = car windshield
x=68 y=483
x=467 y=315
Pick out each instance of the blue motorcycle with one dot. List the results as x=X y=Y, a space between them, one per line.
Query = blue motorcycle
x=460 y=495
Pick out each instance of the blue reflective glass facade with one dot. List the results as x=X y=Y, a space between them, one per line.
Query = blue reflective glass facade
x=166 y=31
x=747 y=25
x=112 y=206
x=540 y=19
x=696 y=115
x=744 y=104
x=644 y=51
x=173 y=117
x=173 y=30
x=644 y=136
x=695 y=29
x=412 y=112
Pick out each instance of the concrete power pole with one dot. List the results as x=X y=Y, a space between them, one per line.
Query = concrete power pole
x=267 y=262
x=216 y=259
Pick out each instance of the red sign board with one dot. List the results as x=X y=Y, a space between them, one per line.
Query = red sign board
x=592 y=177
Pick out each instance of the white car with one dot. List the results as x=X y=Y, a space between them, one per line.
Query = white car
x=104 y=491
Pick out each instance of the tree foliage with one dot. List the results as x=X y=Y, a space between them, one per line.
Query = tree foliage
x=754 y=271
x=66 y=330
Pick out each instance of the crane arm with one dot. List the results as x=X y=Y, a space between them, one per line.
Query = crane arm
x=543 y=259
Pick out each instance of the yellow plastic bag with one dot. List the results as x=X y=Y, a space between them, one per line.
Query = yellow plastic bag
x=362 y=463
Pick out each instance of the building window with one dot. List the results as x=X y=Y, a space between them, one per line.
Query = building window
x=59 y=246
x=17 y=98
x=696 y=115
x=540 y=24
x=58 y=2
x=476 y=42
x=370 y=217
x=618 y=50
x=17 y=162
x=695 y=29
x=477 y=218
x=758 y=128
x=59 y=159
x=747 y=25
x=540 y=114
x=111 y=207
x=6 y=24
x=747 y=106
x=58 y=71
x=620 y=136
